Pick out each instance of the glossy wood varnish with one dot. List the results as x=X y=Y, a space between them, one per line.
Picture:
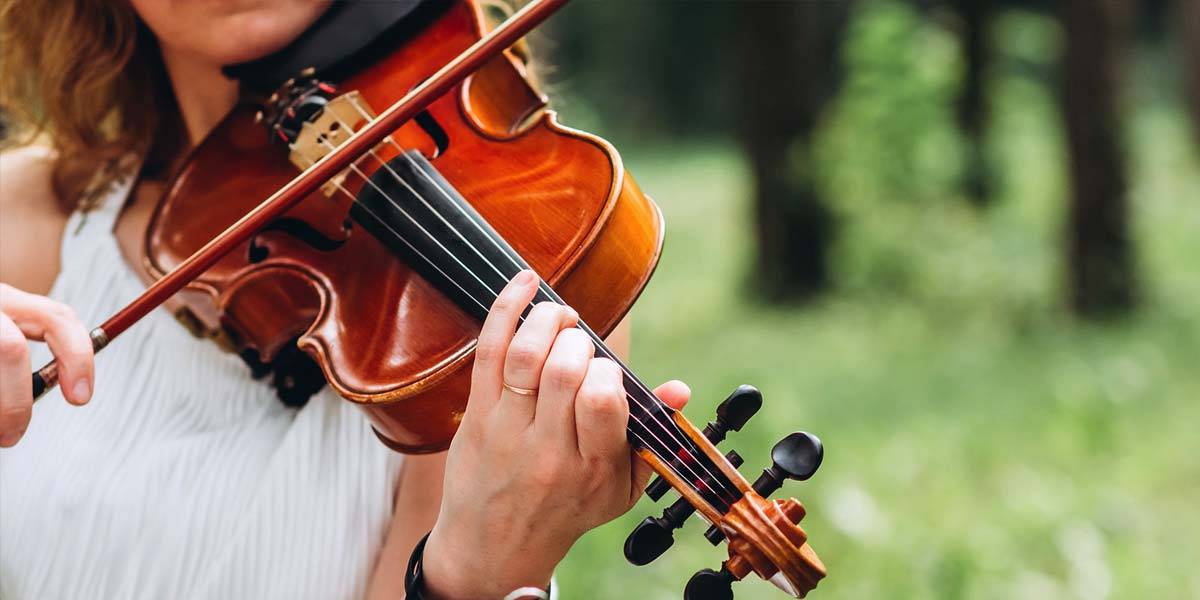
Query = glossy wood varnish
x=385 y=338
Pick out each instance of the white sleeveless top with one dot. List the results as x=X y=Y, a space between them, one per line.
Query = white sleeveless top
x=183 y=477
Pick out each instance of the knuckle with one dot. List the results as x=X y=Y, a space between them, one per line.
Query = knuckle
x=547 y=306
x=63 y=313
x=577 y=337
x=524 y=355
x=544 y=312
x=565 y=373
x=487 y=352
x=12 y=347
x=608 y=369
x=14 y=412
x=606 y=402
x=14 y=416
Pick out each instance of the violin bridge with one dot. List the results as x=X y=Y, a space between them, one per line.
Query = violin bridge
x=330 y=128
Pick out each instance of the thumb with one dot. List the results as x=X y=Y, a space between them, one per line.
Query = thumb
x=675 y=394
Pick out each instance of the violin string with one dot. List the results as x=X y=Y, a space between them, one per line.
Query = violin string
x=670 y=427
x=664 y=448
x=545 y=287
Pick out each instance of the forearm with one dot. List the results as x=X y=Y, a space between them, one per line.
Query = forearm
x=418 y=496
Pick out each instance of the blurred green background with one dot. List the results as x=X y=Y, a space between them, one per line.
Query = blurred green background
x=989 y=432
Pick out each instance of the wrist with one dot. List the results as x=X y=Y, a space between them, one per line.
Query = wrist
x=456 y=571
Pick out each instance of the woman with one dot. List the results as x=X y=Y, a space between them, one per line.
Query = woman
x=183 y=477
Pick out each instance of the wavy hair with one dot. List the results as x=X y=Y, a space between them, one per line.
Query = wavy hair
x=86 y=78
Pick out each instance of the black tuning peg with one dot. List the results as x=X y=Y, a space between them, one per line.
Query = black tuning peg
x=732 y=414
x=658 y=488
x=650 y=539
x=708 y=584
x=796 y=457
x=655 y=535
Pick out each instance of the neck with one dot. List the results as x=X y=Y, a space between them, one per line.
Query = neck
x=204 y=94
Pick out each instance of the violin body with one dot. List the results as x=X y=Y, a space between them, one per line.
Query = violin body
x=384 y=337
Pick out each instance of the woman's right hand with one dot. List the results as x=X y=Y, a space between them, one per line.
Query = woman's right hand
x=25 y=316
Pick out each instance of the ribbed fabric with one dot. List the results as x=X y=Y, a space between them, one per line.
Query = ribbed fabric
x=183 y=477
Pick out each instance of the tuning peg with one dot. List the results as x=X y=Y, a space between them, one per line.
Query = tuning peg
x=654 y=536
x=650 y=539
x=708 y=584
x=657 y=489
x=796 y=457
x=732 y=414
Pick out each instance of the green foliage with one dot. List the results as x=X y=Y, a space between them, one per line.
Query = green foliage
x=891 y=157
x=634 y=68
x=980 y=444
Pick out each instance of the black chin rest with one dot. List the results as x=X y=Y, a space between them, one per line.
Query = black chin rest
x=349 y=33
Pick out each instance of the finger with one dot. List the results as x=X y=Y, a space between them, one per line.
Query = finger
x=562 y=380
x=526 y=358
x=602 y=413
x=531 y=345
x=41 y=318
x=16 y=393
x=494 y=337
x=674 y=394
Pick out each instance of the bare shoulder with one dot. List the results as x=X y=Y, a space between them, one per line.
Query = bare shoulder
x=31 y=219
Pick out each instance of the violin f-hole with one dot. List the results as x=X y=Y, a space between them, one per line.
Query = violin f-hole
x=298 y=229
x=428 y=124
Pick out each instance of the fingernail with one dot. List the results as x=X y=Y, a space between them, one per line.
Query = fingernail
x=525 y=277
x=82 y=391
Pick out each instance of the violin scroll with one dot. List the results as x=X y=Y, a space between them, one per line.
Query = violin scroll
x=764 y=535
x=765 y=538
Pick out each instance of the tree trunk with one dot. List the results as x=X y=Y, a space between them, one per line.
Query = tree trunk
x=790 y=70
x=1190 y=12
x=1100 y=251
x=972 y=99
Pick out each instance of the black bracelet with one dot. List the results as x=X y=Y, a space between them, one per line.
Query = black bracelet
x=414 y=578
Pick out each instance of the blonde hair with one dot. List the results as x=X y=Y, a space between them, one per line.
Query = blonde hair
x=86 y=77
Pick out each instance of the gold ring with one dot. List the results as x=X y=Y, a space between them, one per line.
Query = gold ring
x=520 y=390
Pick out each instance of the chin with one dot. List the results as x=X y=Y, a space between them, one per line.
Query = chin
x=227 y=32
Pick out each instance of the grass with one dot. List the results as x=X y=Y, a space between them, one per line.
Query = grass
x=980 y=442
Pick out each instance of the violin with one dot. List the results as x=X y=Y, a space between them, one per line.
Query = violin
x=390 y=226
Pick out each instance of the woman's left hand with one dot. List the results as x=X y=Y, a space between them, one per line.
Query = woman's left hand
x=527 y=475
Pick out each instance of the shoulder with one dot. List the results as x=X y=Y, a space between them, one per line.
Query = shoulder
x=30 y=215
x=27 y=180
x=27 y=184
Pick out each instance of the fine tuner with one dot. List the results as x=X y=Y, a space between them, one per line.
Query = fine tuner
x=796 y=457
